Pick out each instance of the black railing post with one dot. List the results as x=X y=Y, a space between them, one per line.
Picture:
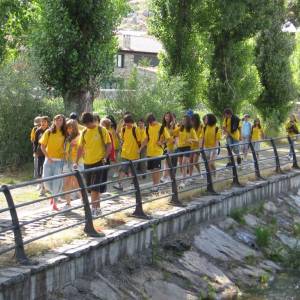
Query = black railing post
x=277 y=161
x=89 y=228
x=138 y=212
x=210 y=185
x=235 y=179
x=295 y=162
x=255 y=160
x=175 y=199
x=19 y=249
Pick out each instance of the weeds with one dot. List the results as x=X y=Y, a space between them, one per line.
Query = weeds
x=263 y=237
x=238 y=215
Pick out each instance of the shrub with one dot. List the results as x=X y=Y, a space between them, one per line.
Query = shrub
x=21 y=99
x=144 y=95
x=263 y=237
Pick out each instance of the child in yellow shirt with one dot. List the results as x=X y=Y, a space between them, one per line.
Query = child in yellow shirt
x=257 y=134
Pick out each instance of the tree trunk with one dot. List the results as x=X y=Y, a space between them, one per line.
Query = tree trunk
x=78 y=101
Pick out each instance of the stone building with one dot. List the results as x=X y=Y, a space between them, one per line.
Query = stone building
x=136 y=49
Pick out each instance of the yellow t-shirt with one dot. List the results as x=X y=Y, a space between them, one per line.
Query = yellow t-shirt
x=227 y=124
x=196 y=145
x=130 y=146
x=290 y=132
x=171 y=141
x=153 y=149
x=184 y=136
x=210 y=136
x=256 y=134
x=115 y=138
x=71 y=150
x=80 y=127
x=54 y=143
x=93 y=145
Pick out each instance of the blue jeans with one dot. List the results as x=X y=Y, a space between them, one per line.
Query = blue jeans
x=52 y=169
x=234 y=145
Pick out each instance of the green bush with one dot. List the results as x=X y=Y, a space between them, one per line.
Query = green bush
x=144 y=95
x=21 y=99
x=263 y=237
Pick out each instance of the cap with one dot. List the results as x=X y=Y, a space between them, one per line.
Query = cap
x=189 y=112
x=246 y=116
x=73 y=116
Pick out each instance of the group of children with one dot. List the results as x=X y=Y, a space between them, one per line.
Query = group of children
x=67 y=145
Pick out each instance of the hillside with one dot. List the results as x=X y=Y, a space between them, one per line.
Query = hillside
x=137 y=19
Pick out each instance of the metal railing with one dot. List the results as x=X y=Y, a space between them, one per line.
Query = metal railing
x=227 y=170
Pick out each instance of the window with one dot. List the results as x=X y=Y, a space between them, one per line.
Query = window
x=120 y=60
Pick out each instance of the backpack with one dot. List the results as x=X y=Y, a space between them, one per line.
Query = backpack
x=133 y=133
x=235 y=121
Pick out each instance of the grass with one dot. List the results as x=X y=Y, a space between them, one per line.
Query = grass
x=13 y=176
x=238 y=215
x=263 y=237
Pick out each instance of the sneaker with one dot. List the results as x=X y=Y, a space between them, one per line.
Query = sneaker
x=96 y=212
x=229 y=165
x=42 y=193
x=115 y=175
x=239 y=160
x=118 y=186
x=54 y=206
x=66 y=207
x=181 y=185
x=154 y=189
x=163 y=179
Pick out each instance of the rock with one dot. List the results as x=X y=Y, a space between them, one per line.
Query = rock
x=177 y=246
x=270 y=207
x=195 y=263
x=104 y=291
x=70 y=291
x=247 y=238
x=269 y=266
x=222 y=246
x=251 y=220
x=292 y=243
x=227 y=224
x=82 y=285
x=165 y=290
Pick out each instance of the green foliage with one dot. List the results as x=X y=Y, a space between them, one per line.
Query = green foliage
x=75 y=45
x=238 y=215
x=263 y=237
x=20 y=101
x=273 y=52
x=149 y=95
x=173 y=23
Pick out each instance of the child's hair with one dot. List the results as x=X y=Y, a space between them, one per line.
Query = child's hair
x=128 y=119
x=257 y=121
x=113 y=123
x=196 y=121
x=63 y=127
x=87 y=118
x=228 y=111
x=188 y=124
x=150 y=118
x=105 y=122
x=72 y=123
x=211 y=119
x=96 y=117
x=46 y=118
x=164 y=122
x=37 y=121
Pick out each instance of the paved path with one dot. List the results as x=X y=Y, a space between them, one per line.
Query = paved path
x=50 y=224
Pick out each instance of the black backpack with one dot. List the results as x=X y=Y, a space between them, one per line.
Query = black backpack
x=133 y=133
x=235 y=122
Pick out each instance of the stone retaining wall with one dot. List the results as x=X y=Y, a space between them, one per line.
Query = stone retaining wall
x=85 y=257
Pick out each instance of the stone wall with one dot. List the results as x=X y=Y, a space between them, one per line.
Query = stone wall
x=64 y=265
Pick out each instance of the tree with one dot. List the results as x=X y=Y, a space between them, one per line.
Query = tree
x=14 y=21
x=231 y=25
x=75 y=45
x=173 y=23
x=273 y=52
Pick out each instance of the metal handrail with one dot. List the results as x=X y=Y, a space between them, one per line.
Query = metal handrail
x=208 y=181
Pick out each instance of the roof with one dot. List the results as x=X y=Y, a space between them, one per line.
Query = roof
x=138 y=41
